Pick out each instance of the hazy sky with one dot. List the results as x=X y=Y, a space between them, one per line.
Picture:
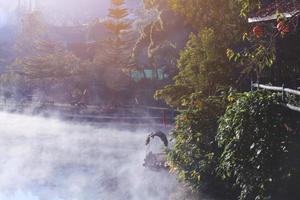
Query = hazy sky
x=63 y=10
x=6 y=6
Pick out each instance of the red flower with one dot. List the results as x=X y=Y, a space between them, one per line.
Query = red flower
x=283 y=27
x=258 y=31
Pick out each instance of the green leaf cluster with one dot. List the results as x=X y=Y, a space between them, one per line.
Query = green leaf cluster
x=203 y=64
x=203 y=67
x=195 y=153
x=244 y=145
x=258 y=140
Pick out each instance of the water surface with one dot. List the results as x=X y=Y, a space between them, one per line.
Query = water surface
x=49 y=159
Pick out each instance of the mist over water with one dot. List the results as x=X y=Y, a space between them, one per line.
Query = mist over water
x=49 y=159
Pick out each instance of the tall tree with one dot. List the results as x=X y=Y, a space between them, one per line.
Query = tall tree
x=115 y=54
x=162 y=39
x=203 y=64
x=40 y=63
x=31 y=29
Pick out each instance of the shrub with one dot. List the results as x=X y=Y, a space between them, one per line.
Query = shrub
x=195 y=152
x=261 y=147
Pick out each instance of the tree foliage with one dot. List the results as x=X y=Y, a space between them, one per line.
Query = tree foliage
x=256 y=57
x=203 y=67
x=203 y=64
x=49 y=62
x=194 y=155
x=258 y=140
x=32 y=29
x=221 y=15
x=41 y=62
x=117 y=46
x=113 y=55
x=248 y=6
x=256 y=136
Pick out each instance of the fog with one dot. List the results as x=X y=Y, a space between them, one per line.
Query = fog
x=49 y=159
x=6 y=9
x=61 y=12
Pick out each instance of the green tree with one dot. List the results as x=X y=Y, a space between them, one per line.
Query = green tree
x=257 y=136
x=259 y=144
x=203 y=64
x=114 y=55
x=268 y=53
x=32 y=28
x=41 y=64
x=203 y=67
x=114 y=52
x=49 y=66
x=50 y=61
x=195 y=153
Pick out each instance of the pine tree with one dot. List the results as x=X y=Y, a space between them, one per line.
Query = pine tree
x=49 y=62
x=115 y=53
x=31 y=29
x=41 y=63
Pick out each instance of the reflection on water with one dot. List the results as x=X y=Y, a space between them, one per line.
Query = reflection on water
x=47 y=159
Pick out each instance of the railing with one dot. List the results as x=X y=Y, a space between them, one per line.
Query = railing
x=141 y=114
x=279 y=89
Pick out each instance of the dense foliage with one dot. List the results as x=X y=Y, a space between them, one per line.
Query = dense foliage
x=113 y=53
x=203 y=67
x=237 y=145
x=203 y=64
x=258 y=139
x=256 y=136
x=44 y=66
x=195 y=153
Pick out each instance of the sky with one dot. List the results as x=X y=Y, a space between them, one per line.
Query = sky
x=6 y=6
x=63 y=11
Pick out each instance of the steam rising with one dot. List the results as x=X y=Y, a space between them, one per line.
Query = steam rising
x=48 y=159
